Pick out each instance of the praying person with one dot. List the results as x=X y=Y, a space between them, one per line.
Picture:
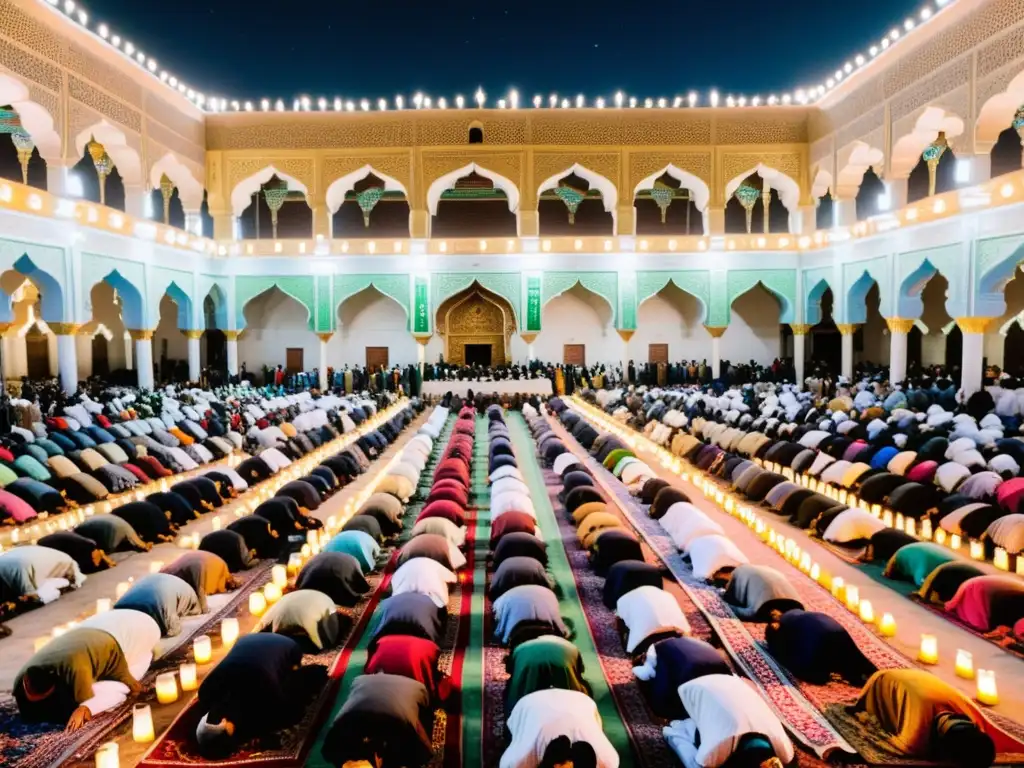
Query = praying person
x=814 y=647
x=166 y=598
x=756 y=591
x=544 y=720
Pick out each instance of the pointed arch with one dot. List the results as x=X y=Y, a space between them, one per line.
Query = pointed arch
x=698 y=187
x=856 y=298
x=219 y=316
x=603 y=284
x=854 y=161
x=907 y=149
x=395 y=287
x=821 y=183
x=126 y=158
x=241 y=195
x=997 y=113
x=780 y=283
x=340 y=187
x=786 y=187
x=695 y=284
x=440 y=185
x=51 y=294
x=132 y=308
x=184 y=304
x=190 y=189
x=248 y=288
x=35 y=118
x=812 y=309
x=609 y=193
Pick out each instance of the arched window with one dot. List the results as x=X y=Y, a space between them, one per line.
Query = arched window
x=476 y=135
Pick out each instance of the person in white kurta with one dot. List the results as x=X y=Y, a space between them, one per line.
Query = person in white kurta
x=138 y=635
x=542 y=716
x=723 y=710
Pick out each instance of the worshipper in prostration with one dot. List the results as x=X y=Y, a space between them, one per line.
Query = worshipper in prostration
x=337 y=575
x=412 y=657
x=531 y=603
x=541 y=663
x=166 y=598
x=926 y=719
x=205 y=572
x=112 y=534
x=728 y=724
x=384 y=721
x=136 y=633
x=815 y=647
x=151 y=523
x=257 y=689
x=671 y=663
x=36 y=574
x=552 y=727
x=756 y=592
x=63 y=681
x=89 y=557
x=308 y=616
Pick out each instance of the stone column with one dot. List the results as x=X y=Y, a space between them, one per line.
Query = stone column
x=7 y=339
x=419 y=224
x=528 y=223
x=800 y=331
x=324 y=338
x=15 y=352
x=129 y=352
x=973 y=364
x=803 y=221
x=67 y=355
x=979 y=168
x=847 y=330
x=625 y=335
x=529 y=338
x=57 y=176
x=844 y=212
x=223 y=225
x=143 y=356
x=194 y=222
x=899 y=327
x=422 y=339
x=714 y=220
x=322 y=220
x=625 y=220
x=135 y=200
x=83 y=342
x=897 y=190
x=716 y=332
x=194 y=361
x=232 y=345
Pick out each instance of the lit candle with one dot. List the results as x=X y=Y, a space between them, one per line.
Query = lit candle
x=102 y=605
x=954 y=541
x=156 y=566
x=166 y=688
x=279 y=576
x=815 y=571
x=852 y=501
x=964 y=664
x=852 y=597
x=202 y=649
x=910 y=526
x=837 y=587
x=257 y=604
x=121 y=589
x=887 y=518
x=228 y=632
x=805 y=562
x=887 y=625
x=867 y=612
x=216 y=523
x=899 y=521
x=876 y=510
x=929 y=653
x=305 y=551
x=1001 y=559
x=107 y=756
x=142 y=724
x=940 y=535
x=272 y=592
x=987 y=693
x=977 y=550
x=187 y=673
x=843 y=493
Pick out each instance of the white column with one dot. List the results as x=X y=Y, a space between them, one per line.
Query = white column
x=15 y=356
x=899 y=327
x=144 y=357
x=135 y=200
x=844 y=212
x=194 y=222
x=421 y=353
x=972 y=366
x=83 y=344
x=896 y=189
x=804 y=220
x=194 y=355
x=625 y=335
x=800 y=332
x=716 y=332
x=57 y=177
x=129 y=352
x=976 y=169
x=847 y=330
x=324 y=338
x=232 y=345
x=67 y=355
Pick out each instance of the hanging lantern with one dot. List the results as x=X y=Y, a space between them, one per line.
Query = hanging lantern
x=932 y=154
x=103 y=164
x=275 y=196
x=662 y=194
x=1018 y=126
x=368 y=200
x=166 y=192
x=747 y=197
x=572 y=198
x=23 y=143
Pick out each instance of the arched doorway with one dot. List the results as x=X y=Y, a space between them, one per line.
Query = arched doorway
x=477 y=327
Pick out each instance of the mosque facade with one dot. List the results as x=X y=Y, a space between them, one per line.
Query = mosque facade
x=878 y=217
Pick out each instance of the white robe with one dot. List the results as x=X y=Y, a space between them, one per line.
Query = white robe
x=541 y=717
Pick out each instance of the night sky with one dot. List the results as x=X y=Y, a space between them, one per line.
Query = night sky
x=371 y=48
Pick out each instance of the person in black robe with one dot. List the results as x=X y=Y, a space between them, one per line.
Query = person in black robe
x=814 y=646
x=223 y=484
x=149 y=521
x=259 y=536
x=337 y=575
x=112 y=534
x=258 y=689
x=368 y=524
x=230 y=547
x=410 y=613
x=305 y=495
x=283 y=515
x=84 y=551
x=174 y=504
x=254 y=470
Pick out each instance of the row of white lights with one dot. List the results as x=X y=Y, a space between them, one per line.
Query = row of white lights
x=421 y=101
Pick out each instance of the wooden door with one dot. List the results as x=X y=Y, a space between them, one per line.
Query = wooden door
x=100 y=355
x=376 y=357
x=37 y=349
x=574 y=354
x=657 y=353
x=294 y=360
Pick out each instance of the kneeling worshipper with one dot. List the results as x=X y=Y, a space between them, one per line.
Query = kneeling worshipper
x=528 y=603
x=112 y=534
x=259 y=537
x=434 y=547
x=337 y=575
x=673 y=662
x=516 y=571
x=925 y=718
x=31 y=572
x=755 y=592
x=307 y=616
x=230 y=547
x=257 y=689
x=914 y=562
x=553 y=727
x=69 y=679
x=542 y=663
x=814 y=647
x=410 y=614
x=205 y=572
x=386 y=510
x=283 y=514
x=150 y=522
x=167 y=599
x=729 y=724
x=358 y=544
x=385 y=721
x=136 y=633
x=650 y=614
x=412 y=657
x=989 y=602
x=423 y=576
x=89 y=557
x=368 y=525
